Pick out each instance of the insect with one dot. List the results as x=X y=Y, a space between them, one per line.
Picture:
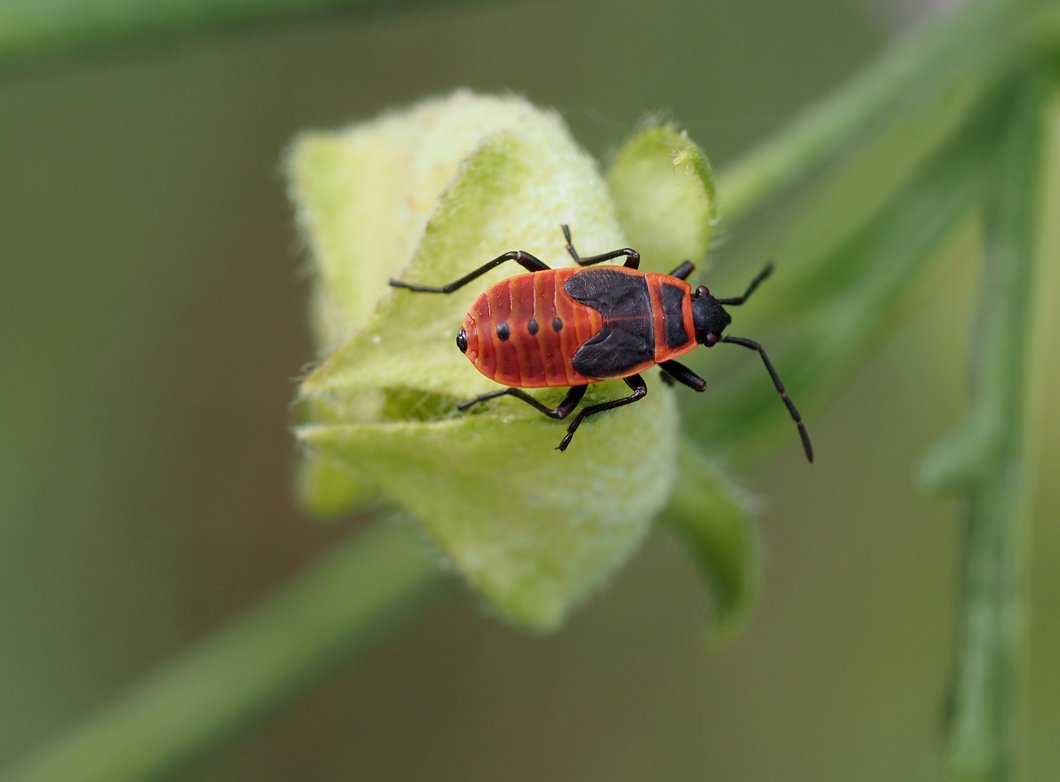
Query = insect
x=576 y=326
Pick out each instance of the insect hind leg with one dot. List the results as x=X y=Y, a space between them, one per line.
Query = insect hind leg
x=560 y=411
x=524 y=259
x=636 y=382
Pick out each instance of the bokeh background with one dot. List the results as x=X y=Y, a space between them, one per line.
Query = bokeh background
x=152 y=320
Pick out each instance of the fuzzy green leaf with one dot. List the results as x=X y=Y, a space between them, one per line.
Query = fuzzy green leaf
x=533 y=529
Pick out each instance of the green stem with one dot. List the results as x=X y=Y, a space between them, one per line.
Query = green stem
x=46 y=29
x=989 y=460
x=924 y=67
x=252 y=666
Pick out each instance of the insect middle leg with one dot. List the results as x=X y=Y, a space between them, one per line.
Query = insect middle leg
x=560 y=411
x=632 y=256
x=524 y=259
x=636 y=382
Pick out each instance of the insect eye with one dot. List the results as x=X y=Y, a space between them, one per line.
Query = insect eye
x=712 y=340
x=702 y=290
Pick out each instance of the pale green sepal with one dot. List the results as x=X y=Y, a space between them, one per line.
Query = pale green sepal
x=663 y=189
x=342 y=183
x=533 y=529
x=712 y=517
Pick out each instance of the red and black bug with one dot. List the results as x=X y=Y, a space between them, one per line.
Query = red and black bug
x=576 y=326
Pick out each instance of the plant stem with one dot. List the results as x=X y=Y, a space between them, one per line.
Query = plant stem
x=989 y=460
x=50 y=29
x=290 y=640
x=925 y=66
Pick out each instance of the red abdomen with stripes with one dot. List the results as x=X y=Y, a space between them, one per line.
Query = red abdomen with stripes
x=524 y=331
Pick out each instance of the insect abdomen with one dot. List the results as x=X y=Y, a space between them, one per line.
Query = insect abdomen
x=523 y=331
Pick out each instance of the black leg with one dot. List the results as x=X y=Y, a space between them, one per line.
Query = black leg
x=636 y=382
x=806 y=446
x=526 y=260
x=560 y=411
x=632 y=256
x=682 y=271
x=681 y=373
x=750 y=288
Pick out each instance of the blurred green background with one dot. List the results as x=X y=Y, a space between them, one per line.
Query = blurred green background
x=152 y=320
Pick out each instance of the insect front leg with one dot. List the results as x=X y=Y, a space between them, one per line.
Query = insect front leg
x=807 y=447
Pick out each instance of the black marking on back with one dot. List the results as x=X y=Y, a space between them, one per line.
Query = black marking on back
x=557 y=324
x=503 y=331
x=672 y=299
x=532 y=326
x=627 y=338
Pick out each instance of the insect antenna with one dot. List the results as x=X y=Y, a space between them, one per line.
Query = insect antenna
x=752 y=345
x=737 y=300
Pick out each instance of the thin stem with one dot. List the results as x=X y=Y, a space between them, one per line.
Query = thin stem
x=924 y=67
x=257 y=663
x=989 y=461
x=49 y=29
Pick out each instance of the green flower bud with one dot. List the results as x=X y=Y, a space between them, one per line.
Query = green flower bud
x=427 y=195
